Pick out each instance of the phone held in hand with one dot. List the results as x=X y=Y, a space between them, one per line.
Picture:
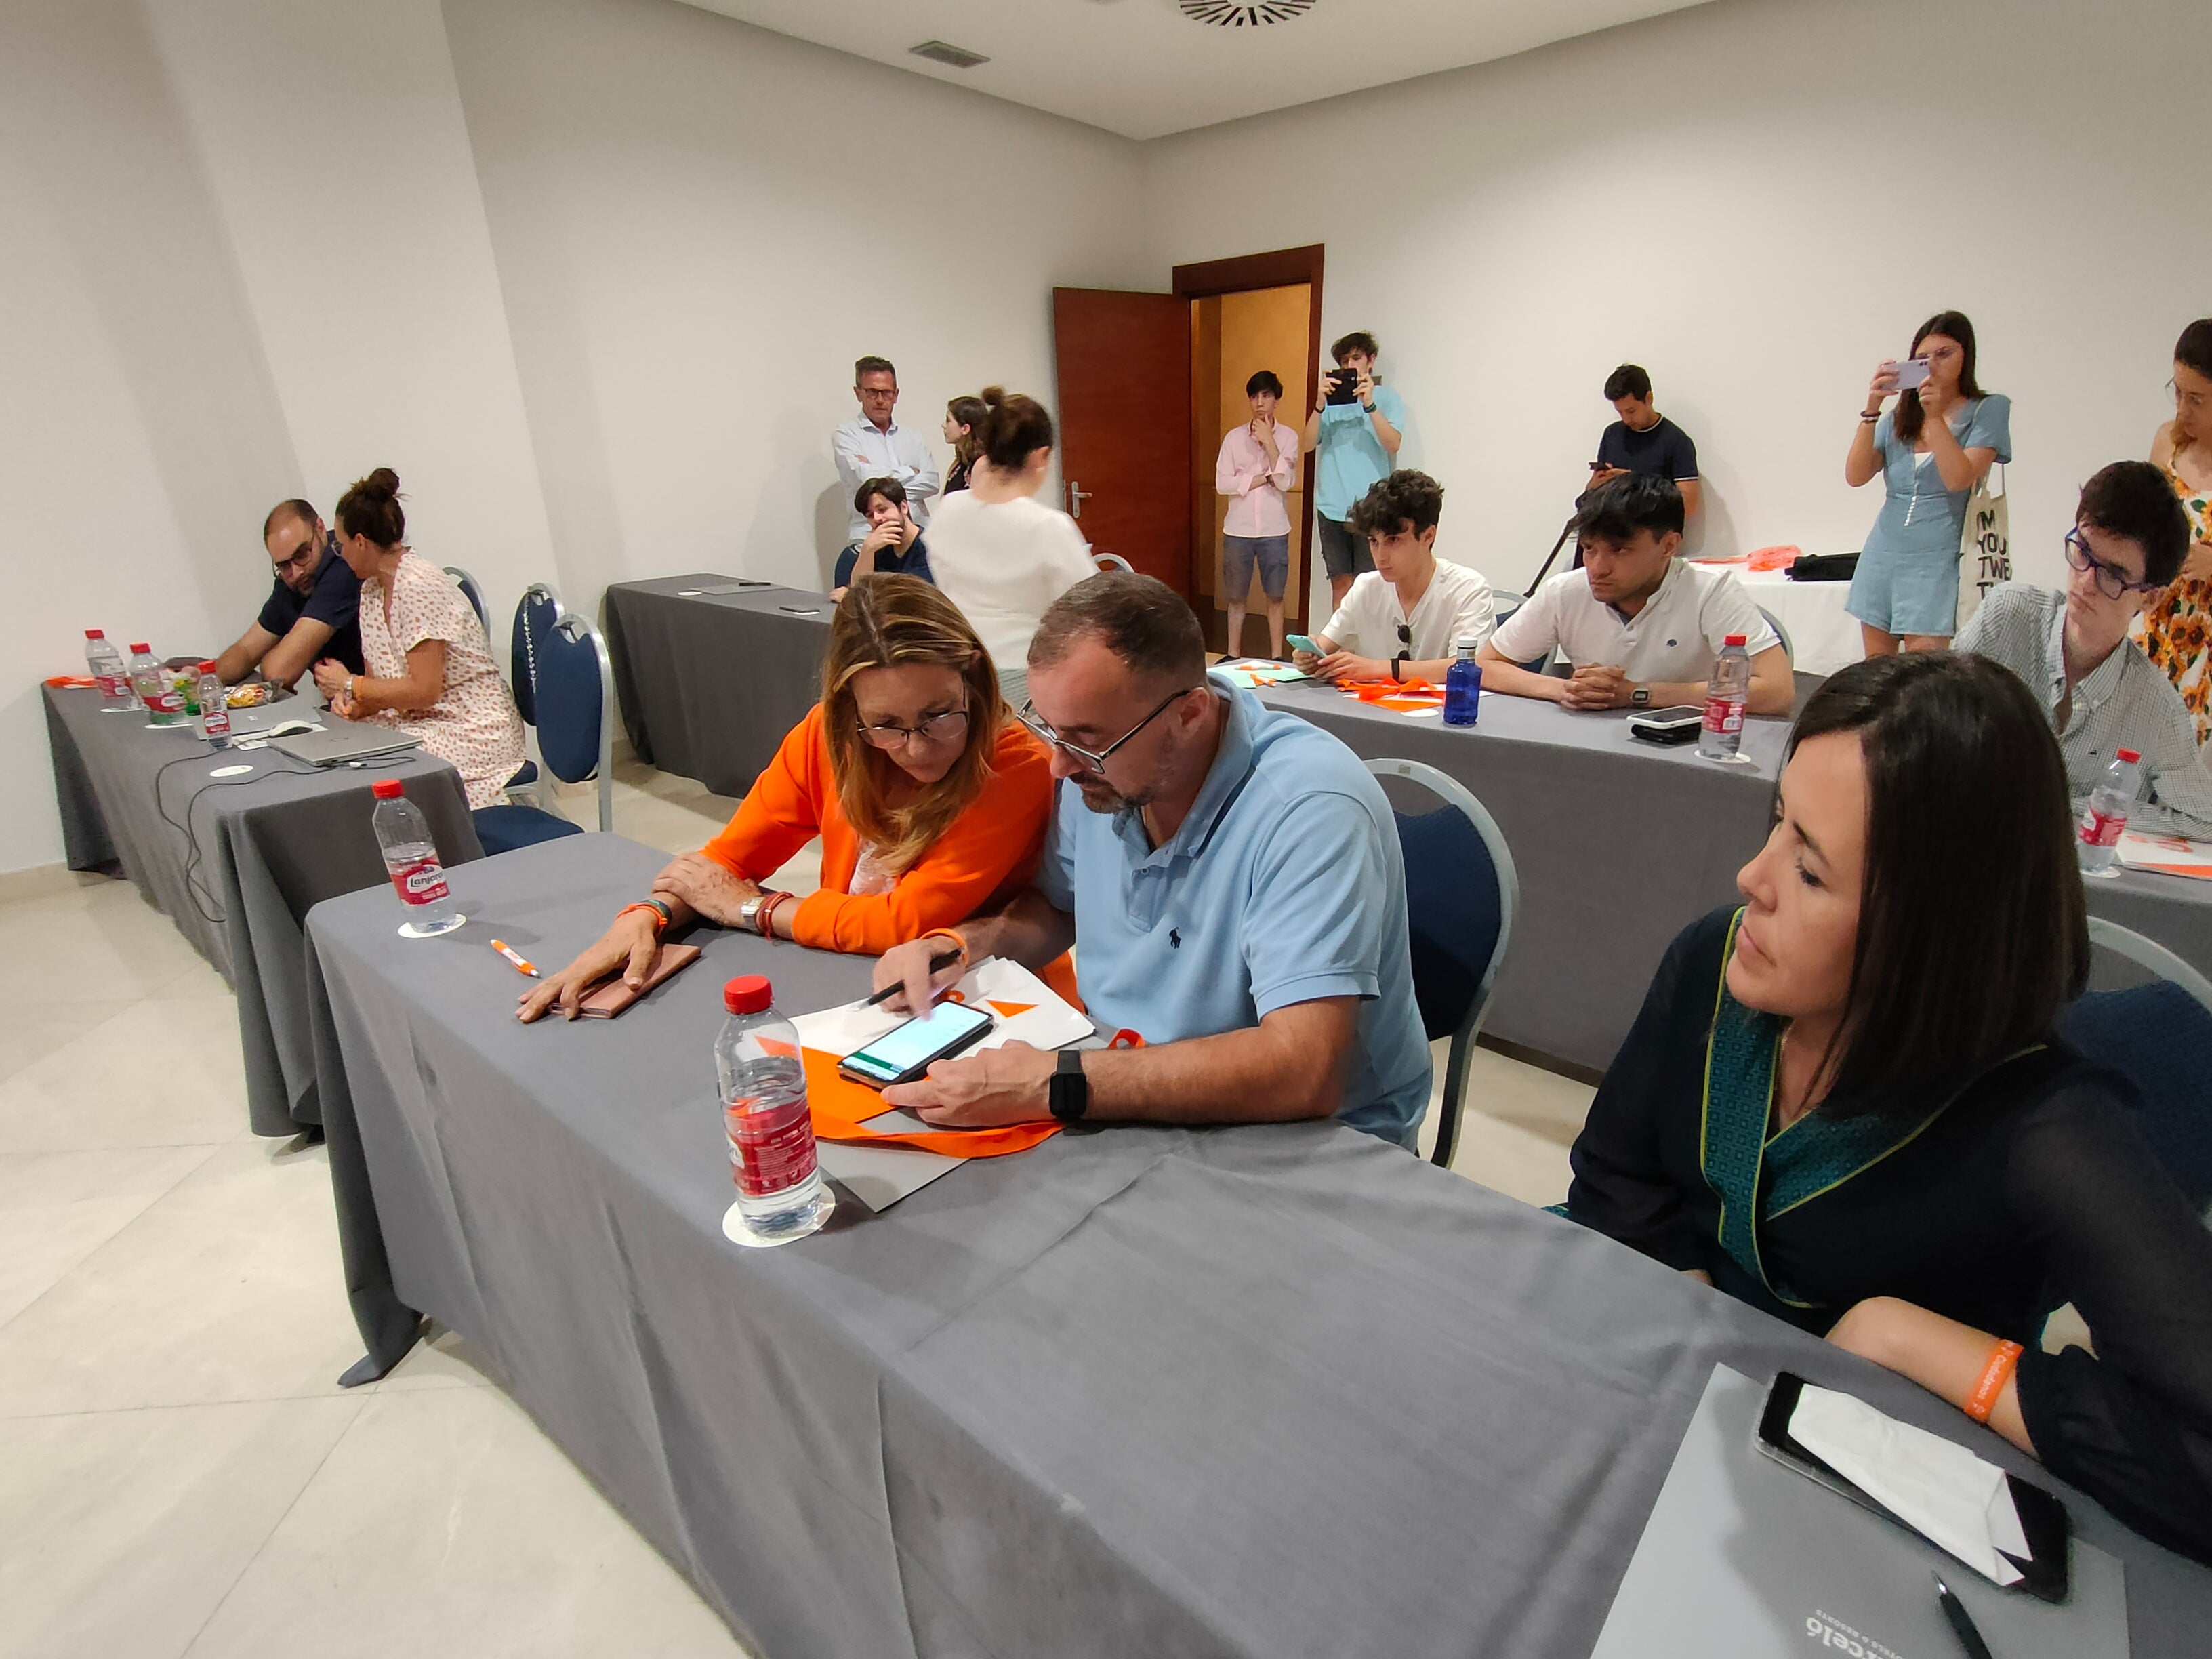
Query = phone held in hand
x=1344 y=385
x=1911 y=374
x=1300 y=642
x=908 y=1050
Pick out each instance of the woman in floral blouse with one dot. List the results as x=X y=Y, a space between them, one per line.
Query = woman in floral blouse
x=2177 y=630
x=430 y=669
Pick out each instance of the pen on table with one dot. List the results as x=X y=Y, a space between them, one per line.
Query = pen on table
x=1962 y=1625
x=937 y=965
x=521 y=966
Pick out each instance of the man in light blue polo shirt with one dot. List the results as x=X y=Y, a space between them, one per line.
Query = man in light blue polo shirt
x=1231 y=878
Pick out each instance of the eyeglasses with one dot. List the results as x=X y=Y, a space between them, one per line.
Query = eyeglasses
x=2192 y=401
x=941 y=728
x=2112 y=581
x=1095 y=759
x=301 y=554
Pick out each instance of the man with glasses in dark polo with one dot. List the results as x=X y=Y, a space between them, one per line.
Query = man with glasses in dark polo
x=2101 y=693
x=311 y=612
x=1232 y=877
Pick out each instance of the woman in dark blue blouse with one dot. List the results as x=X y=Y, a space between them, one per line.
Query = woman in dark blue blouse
x=1844 y=1101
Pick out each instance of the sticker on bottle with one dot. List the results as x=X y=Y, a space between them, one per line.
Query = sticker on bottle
x=420 y=884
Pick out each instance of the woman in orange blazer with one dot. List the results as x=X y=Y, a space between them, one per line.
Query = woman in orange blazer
x=929 y=799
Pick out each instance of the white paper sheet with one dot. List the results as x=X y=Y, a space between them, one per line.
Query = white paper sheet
x=1958 y=1502
x=1027 y=1010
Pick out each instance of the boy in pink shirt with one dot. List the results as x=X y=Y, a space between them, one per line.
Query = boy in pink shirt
x=1258 y=461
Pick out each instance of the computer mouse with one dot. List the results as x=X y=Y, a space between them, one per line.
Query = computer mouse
x=288 y=728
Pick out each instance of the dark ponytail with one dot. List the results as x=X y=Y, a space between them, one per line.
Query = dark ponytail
x=371 y=508
x=1012 y=429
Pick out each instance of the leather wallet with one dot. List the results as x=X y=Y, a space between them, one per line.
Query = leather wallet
x=613 y=995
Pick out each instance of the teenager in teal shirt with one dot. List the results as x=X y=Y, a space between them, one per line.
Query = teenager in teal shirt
x=1357 y=441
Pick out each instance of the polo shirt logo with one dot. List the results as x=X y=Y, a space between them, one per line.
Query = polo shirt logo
x=1175 y=939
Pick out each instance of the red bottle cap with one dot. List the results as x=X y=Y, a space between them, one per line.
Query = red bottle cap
x=1735 y=638
x=142 y=645
x=207 y=668
x=748 y=994
x=94 y=634
x=386 y=789
x=2130 y=755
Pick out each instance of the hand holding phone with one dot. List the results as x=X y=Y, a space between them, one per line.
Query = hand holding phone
x=1911 y=374
x=1300 y=642
x=908 y=1050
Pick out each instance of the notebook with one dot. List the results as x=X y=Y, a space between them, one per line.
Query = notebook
x=1746 y=1558
x=343 y=741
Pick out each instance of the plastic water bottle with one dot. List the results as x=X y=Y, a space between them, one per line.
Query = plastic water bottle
x=164 y=703
x=1728 y=693
x=1463 y=686
x=781 y=1192
x=410 y=858
x=215 y=708
x=113 y=673
x=2106 y=815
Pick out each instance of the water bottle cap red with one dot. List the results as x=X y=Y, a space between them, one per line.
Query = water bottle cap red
x=207 y=668
x=386 y=789
x=143 y=646
x=1735 y=638
x=748 y=994
x=94 y=634
x=2130 y=755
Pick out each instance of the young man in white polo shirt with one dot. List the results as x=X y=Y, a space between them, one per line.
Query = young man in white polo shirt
x=1641 y=626
x=1404 y=619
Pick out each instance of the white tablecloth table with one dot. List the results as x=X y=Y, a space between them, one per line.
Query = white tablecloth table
x=1823 y=635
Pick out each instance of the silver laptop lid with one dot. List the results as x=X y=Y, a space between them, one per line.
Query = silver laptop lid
x=342 y=741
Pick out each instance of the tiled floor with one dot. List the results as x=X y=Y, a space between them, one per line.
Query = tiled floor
x=179 y=1473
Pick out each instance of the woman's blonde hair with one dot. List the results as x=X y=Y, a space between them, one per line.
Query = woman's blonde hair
x=887 y=622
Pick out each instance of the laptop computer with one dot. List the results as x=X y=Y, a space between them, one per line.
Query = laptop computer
x=344 y=741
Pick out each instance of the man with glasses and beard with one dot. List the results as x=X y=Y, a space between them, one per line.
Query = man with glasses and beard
x=1232 y=877
x=310 y=613
x=2101 y=693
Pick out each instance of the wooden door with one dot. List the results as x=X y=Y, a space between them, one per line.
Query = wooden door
x=1124 y=366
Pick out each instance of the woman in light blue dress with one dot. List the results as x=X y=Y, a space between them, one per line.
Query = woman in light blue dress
x=1906 y=591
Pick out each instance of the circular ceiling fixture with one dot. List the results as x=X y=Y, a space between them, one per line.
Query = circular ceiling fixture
x=1243 y=13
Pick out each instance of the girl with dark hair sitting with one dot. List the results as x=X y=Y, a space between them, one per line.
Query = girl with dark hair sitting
x=1844 y=1101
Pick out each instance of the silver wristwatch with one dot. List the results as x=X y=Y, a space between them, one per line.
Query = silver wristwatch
x=748 y=912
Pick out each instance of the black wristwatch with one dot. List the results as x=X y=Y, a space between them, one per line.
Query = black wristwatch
x=1069 y=1092
x=1639 y=696
x=1369 y=408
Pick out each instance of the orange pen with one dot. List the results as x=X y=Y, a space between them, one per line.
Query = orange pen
x=521 y=966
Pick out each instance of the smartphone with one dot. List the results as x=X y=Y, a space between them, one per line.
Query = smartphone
x=1300 y=642
x=1344 y=385
x=1600 y=466
x=1911 y=372
x=1679 y=724
x=908 y=1050
x=2043 y=1519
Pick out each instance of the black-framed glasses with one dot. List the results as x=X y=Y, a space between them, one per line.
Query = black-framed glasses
x=944 y=726
x=2112 y=581
x=301 y=556
x=1095 y=759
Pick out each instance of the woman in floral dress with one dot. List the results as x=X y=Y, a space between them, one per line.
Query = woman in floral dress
x=2177 y=630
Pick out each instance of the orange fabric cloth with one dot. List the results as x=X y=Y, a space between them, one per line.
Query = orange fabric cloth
x=990 y=850
x=840 y=1107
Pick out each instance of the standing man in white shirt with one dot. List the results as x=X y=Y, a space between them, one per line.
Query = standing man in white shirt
x=1404 y=619
x=1258 y=461
x=1641 y=626
x=871 y=445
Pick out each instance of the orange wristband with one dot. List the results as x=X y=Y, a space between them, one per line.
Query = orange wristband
x=1983 y=1401
x=952 y=934
x=660 y=915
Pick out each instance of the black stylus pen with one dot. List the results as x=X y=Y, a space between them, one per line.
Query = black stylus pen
x=1962 y=1624
x=937 y=965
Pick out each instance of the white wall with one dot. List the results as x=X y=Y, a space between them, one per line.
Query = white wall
x=700 y=225
x=1756 y=200
x=246 y=260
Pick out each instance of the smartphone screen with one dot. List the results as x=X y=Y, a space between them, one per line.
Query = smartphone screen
x=908 y=1049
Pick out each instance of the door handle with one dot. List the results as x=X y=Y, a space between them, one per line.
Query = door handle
x=1076 y=498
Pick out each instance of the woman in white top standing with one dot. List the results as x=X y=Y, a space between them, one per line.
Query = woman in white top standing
x=1258 y=461
x=999 y=553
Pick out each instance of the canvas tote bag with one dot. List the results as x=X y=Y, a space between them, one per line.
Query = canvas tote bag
x=1984 y=542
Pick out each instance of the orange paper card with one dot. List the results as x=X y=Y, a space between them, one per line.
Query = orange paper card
x=842 y=1108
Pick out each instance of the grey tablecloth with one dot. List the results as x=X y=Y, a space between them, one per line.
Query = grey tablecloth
x=1279 y=1391
x=710 y=684
x=2175 y=910
x=1620 y=844
x=261 y=850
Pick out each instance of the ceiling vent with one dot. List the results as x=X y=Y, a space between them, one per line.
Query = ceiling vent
x=952 y=56
x=1244 y=14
